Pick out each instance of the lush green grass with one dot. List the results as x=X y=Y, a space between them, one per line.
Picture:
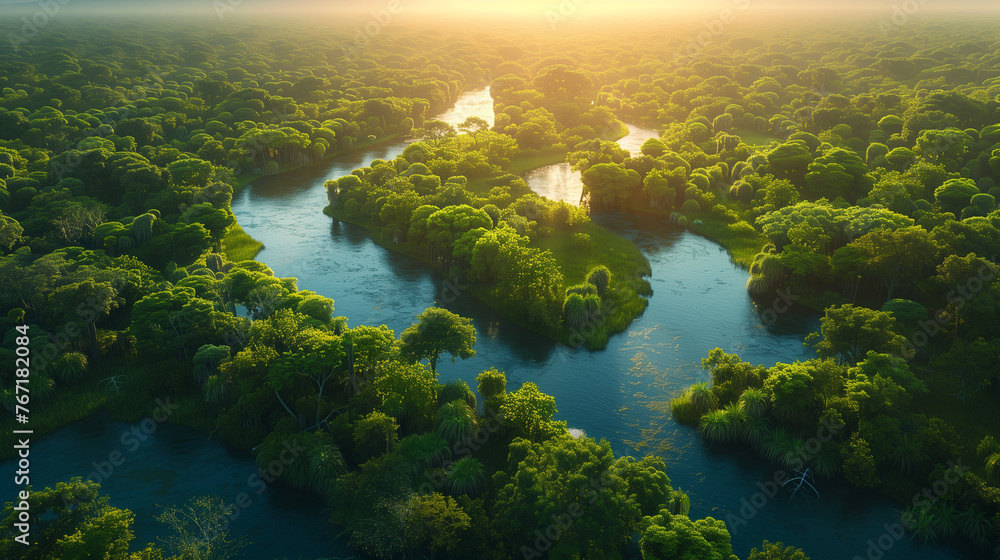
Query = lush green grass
x=741 y=247
x=480 y=186
x=625 y=298
x=237 y=245
x=620 y=255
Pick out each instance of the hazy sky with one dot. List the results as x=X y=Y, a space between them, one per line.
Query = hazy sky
x=509 y=7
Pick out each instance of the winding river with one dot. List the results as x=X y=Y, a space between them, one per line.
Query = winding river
x=621 y=393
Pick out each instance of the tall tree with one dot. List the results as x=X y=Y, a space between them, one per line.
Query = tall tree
x=848 y=333
x=435 y=131
x=960 y=275
x=438 y=330
x=199 y=530
x=90 y=300
x=609 y=182
x=472 y=126
x=899 y=256
x=317 y=358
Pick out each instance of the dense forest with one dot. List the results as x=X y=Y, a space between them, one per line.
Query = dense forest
x=848 y=171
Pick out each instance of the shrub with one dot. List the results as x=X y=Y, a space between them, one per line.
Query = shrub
x=691 y=206
x=456 y=421
x=593 y=307
x=574 y=311
x=742 y=229
x=715 y=426
x=696 y=400
x=584 y=289
x=600 y=277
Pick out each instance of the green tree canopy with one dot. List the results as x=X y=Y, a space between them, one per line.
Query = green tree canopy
x=438 y=330
x=848 y=333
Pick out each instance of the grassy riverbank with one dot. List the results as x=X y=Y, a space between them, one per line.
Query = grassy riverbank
x=238 y=245
x=741 y=247
x=527 y=162
x=626 y=298
x=738 y=241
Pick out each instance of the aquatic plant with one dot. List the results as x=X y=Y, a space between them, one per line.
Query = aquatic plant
x=754 y=402
x=975 y=526
x=716 y=426
x=775 y=444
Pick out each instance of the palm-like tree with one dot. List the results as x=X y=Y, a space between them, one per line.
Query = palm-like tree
x=945 y=518
x=827 y=462
x=754 y=401
x=975 y=526
x=993 y=467
x=737 y=414
x=775 y=444
x=715 y=425
x=457 y=390
x=791 y=452
x=702 y=397
x=989 y=451
x=466 y=476
x=575 y=311
x=424 y=451
x=765 y=273
x=216 y=390
x=319 y=466
x=737 y=418
x=923 y=524
x=456 y=421
x=42 y=387
x=70 y=368
x=755 y=429
x=326 y=465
